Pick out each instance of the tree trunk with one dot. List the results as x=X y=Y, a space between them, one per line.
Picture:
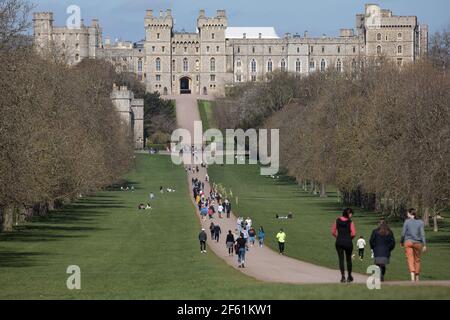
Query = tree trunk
x=435 y=223
x=313 y=187
x=426 y=217
x=323 y=190
x=7 y=219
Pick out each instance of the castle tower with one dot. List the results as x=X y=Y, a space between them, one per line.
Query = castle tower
x=43 y=28
x=212 y=32
x=158 y=40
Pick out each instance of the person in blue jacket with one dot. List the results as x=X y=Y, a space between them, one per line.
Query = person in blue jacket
x=261 y=236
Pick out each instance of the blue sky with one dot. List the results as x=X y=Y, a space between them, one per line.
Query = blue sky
x=124 y=18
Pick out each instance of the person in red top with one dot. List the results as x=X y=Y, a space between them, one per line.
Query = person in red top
x=344 y=231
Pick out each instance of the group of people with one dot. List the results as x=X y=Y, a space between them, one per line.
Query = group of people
x=207 y=203
x=382 y=242
x=127 y=188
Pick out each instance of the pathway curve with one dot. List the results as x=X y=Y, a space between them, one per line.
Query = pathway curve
x=261 y=263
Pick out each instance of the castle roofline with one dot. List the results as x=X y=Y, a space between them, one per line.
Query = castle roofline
x=251 y=33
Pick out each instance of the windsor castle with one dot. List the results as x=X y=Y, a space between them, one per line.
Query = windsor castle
x=217 y=55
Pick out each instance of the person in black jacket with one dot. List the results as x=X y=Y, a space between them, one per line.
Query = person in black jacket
x=382 y=242
x=344 y=231
x=202 y=237
x=217 y=232
x=230 y=243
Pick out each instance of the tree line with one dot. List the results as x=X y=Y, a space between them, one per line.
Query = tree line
x=60 y=135
x=380 y=134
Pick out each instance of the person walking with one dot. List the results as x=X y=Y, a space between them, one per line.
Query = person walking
x=230 y=243
x=217 y=232
x=228 y=208
x=361 y=244
x=382 y=242
x=203 y=237
x=220 y=210
x=261 y=236
x=241 y=244
x=281 y=237
x=344 y=231
x=413 y=240
x=252 y=236
x=211 y=229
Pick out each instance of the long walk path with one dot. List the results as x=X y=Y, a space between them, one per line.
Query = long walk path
x=261 y=263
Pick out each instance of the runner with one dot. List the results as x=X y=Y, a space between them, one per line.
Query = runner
x=413 y=239
x=361 y=244
x=344 y=232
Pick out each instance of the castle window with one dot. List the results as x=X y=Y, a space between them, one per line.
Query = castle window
x=140 y=66
x=238 y=63
x=217 y=49
x=196 y=49
x=253 y=78
x=399 y=49
x=163 y=49
x=354 y=49
x=173 y=78
x=77 y=57
x=253 y=49
x=339 y=65
x=311 y=49
x=298 y=49
x=213 y=36
x=238 y=49
x=158 y=77
x=244 y=35
x=379 y=50
x=197 y=65
x=399 y=62
x=253 y=66
x=207 y=49
x=283 y=65
x=312 y=65
x=185 y=49
x=174 y=65
x=157 y=36
x=185 y=65
x=238 y=78
x=400 y=36
x=158 y=64
x=213 y=78
x=153 y=49
x=298 y=66
x=77 y=46
x=323 y=49
x=269 y=66
x=339 y=49
x=323 y=65
x=173 y=49
x=379 y=37
x=270 y=49
x=212 y=65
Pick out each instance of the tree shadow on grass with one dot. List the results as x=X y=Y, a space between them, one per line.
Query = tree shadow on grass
x=75 y=221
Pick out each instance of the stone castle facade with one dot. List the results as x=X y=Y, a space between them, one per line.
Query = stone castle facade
x=217 y=56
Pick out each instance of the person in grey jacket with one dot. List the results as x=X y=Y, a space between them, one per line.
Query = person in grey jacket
x=202 y=237
x=413 y=240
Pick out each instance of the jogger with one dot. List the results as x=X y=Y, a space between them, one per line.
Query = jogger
x=344 y=232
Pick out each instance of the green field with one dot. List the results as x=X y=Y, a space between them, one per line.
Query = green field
x=127 y=254
x=205 y=109
x=309 y=233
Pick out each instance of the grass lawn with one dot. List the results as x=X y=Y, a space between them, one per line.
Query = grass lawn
x=205 y=109
x=309 y=233
x=126 y=254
